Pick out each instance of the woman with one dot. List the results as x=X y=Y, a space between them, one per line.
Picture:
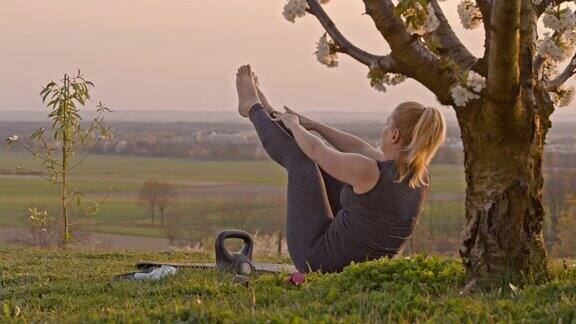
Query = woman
x=355 y=202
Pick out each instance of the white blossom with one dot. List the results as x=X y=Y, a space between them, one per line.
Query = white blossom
x=469 y=90
x=389 y=79
x=558 y=21
x=415 y=30
x=462 y=95
x=470 y=14
x=393 y=78
x=295 y=9
x=549 y=69
x=13 y=138
x=430 y=23
x=563 y=96
x=379 y=78
x=551 y=22
x=567 y=18
x=556 y=49
x=475 y=81
x=569 y=37
x=324 y=54
x=549 y=49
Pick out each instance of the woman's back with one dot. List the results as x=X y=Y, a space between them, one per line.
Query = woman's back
x=377 y=223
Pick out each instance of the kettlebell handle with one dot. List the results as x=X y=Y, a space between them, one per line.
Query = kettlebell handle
x=223 y=255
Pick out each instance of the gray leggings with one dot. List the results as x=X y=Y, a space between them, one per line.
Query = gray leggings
x=313 y=196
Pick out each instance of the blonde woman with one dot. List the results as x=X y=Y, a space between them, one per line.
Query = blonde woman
x=355 y=202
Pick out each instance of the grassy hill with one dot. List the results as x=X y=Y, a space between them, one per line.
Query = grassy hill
x=73 y=286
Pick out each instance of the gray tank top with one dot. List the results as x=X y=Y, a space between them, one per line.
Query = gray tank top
x=377 y=222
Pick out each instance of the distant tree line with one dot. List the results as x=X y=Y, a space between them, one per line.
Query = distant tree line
x=234 y=141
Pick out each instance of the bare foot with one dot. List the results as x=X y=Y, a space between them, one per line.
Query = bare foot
x=263 y=99
x=247 y=96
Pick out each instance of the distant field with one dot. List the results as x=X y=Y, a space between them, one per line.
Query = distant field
x=204 y=187
x=114 y=169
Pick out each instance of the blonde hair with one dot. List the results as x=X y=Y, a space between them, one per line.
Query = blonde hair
x=422 y=131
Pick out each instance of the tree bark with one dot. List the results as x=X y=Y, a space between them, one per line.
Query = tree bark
x=503 y=63
x=451 y=46
x=504 y=213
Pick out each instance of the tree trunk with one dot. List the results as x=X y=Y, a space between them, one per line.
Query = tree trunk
x=504 y=212
x=64 y=194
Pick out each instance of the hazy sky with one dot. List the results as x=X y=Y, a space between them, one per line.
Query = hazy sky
x=182 y=55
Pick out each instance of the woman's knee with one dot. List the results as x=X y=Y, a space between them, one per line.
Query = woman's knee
x=281 y=148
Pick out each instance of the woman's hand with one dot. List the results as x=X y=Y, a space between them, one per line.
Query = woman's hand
x=290 y=120
x=306 y=122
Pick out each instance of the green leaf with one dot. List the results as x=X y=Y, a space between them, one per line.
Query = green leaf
x=6 y=309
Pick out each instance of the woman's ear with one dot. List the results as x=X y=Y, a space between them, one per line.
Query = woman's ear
x=395 y=136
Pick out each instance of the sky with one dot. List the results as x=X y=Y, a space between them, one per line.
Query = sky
x=182 y=55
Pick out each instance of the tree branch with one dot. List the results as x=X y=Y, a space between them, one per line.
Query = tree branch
x=452 y=47
x=344 y=46
x=413 y=59
x=560 y=79
x=528 y=37
x=503 y=55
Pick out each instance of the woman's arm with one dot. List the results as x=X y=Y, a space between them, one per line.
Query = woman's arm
x=345 y=142
x=359 y=171
x=342 y=141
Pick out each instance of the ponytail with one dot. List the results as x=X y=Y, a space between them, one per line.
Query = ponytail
x=423 y=130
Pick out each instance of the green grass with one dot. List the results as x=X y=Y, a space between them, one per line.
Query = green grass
x=113 y=167
x=443 y=217
x=72 y=286
x=447 y=178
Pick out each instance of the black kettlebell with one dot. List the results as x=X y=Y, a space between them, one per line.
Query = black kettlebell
x=240 y=262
